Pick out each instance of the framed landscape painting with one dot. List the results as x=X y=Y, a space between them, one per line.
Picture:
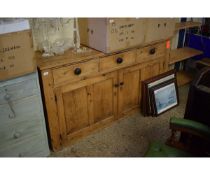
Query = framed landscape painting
x=147 y=85
x=164 y=97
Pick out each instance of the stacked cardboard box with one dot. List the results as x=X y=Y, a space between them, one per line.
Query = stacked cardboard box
x=114 y=34
x=16 y=49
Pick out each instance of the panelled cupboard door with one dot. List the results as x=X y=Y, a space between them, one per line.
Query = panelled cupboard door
x=129 y=89
x=104 y=98
x=73 y=108
x=82 y=104
x=151 y=70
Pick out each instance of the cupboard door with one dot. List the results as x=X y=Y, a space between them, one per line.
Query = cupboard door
x=73 y=109
x=105 y=98
x=76 y=109
x=150 y=70
x=83 y=104
x=129 y=89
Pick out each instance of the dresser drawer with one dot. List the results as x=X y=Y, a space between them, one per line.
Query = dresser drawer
x=75 y=72
x=19 y=132
x=18 y=90
x=36 y=146
x=151 y=52
x=117 y=61
x=21 y=110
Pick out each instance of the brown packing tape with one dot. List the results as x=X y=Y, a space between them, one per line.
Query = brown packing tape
x=146 y=28
x=31 y=36
x=127 y=43
x=108 y=49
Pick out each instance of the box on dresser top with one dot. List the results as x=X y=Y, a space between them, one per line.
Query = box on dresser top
x=115 y=34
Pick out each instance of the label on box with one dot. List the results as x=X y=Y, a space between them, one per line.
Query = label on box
x=168 y=44
x=111 y=21
x=45 y=73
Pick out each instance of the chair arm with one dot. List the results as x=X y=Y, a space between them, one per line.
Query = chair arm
x=190 y=126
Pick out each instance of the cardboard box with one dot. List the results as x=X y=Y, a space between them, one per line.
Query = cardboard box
x=114 y=34
x=16 y=54
x=159 y=29
x=111 y=34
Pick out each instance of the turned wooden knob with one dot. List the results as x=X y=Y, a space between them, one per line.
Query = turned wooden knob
x=152 y=51
x=77 y=71
x=119 y=60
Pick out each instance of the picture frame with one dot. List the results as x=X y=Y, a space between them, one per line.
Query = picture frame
x=164 y=96
x=147 y=109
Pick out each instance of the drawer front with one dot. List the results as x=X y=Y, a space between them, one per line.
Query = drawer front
x=18 y=90
x=17 y=133
x=75 y=72
x=36 y=146
x=25 y=109
x=117 y=61
x=151 y=52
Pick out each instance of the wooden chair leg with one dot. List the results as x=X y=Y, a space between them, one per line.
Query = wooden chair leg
x=172 y=139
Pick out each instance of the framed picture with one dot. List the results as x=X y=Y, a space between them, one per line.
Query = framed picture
x=164 y=97
x=147 y=109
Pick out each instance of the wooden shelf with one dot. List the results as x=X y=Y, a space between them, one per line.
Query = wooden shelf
x=182 y=54
x=183 y=78
x=188 y=24
x=204 y=61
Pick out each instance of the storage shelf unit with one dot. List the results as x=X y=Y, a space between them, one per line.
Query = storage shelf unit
x=181 y=54
x=188 y=24
x=183 y=78
x=204 y=61
x=184 y=53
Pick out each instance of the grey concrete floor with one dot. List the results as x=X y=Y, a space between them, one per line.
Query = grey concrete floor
x=128 y=137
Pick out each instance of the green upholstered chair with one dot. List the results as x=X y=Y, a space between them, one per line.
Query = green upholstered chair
x=175 y=148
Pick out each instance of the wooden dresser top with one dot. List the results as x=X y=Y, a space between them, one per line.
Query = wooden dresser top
x=69 y=57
